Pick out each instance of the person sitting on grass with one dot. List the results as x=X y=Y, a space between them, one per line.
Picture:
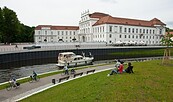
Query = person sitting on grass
x=118 y=69
x=129 y=68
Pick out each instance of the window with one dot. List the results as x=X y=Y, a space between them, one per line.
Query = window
x=133 y=36
x=58 y=32
x=136 y=30
x=153 y=31
x=66 y=32
x=120 y=36
x=125 y=30
x=136 y=37
x=51 y=32
x=110 y=36
x=110 y=28
x=38 y=32
x=129 y=30
x=45 y=32
x=147 y=31
x=133 y=30
x=129 y=36
x=140 y=31
x=144 y=31
x=120 y=29
x=62 y=32
x=124 y=36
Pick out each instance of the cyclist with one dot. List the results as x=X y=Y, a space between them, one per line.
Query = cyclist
x=13 y=81
x=34 y=76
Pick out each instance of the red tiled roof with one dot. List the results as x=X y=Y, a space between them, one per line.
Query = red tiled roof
x=127 y=21
x=157 y=22
x=97 y=15
x=170 y=32
x=39 y=27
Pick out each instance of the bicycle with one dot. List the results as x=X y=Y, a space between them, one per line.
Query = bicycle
x=63 y=72
x=11 y=85
x=32 y=79
x=70 y=72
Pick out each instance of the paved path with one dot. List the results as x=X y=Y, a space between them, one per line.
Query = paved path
x=28 y=88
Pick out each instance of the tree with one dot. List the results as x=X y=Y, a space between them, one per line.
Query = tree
x=10 y=25
x=1 y=25
x=167 y=41
x=25 y=35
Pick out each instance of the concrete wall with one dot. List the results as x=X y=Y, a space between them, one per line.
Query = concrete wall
x=13 y=60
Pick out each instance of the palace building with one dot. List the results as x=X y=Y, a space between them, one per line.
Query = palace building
x=101 y=27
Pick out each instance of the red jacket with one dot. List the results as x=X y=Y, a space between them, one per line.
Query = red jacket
x=120 y=69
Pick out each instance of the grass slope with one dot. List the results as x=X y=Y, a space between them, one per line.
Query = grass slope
x=151 y=82
x=141 y=53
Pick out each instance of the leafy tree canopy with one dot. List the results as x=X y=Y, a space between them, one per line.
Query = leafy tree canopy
x=166 y=40
x=11 y=30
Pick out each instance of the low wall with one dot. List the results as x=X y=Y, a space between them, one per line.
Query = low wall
x=18 y=59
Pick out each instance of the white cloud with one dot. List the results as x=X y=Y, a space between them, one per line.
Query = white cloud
x=67 y=12
x=109 y=1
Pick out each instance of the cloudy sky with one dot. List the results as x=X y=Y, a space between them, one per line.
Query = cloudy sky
x=67 y=12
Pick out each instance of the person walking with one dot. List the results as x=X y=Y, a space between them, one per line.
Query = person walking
x=66 y=70
x=16 y=46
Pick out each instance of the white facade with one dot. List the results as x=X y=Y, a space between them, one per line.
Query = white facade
x=47 y=34
x=118 y=33
x=100 y=27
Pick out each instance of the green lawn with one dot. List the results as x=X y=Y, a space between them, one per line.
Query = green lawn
x=151 y=82
x=141 y=53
